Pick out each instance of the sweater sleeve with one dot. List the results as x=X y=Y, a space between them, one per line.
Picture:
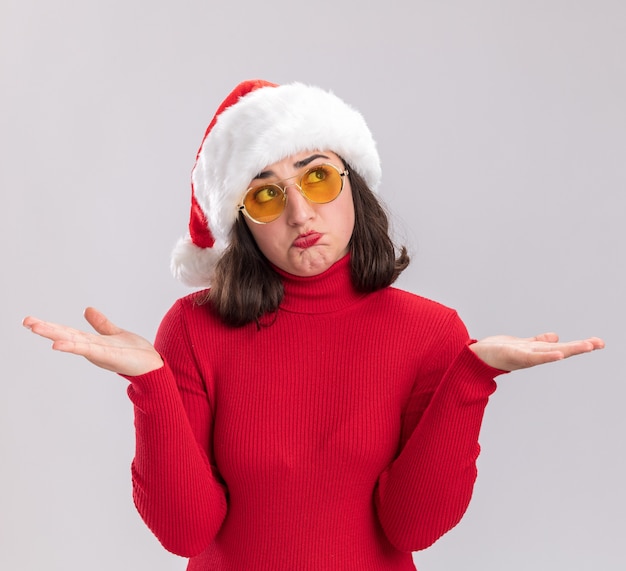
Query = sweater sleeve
x=175 y=487
x=427 y=488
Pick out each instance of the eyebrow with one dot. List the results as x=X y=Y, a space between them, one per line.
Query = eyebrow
x=297 y=165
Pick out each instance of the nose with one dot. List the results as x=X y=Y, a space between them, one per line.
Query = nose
x=298 y=209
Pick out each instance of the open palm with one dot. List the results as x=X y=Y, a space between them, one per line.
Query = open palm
x=510 y=353
x=110 y=347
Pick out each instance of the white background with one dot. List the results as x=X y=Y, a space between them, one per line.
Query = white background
x=502 y=131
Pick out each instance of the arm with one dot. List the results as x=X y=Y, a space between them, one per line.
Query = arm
x=173 y=483
x=426 y=490
x=175 y=487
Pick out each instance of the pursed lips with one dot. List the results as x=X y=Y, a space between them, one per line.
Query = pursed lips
x=307 y=240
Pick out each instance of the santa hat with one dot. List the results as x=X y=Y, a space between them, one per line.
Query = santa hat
x=258 y=124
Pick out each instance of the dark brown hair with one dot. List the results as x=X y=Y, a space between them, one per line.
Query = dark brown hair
x=246 y=287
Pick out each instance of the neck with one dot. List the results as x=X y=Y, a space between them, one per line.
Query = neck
x=329 y=291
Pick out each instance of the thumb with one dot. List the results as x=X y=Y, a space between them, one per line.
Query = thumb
x=100 y=322
x=550 y=337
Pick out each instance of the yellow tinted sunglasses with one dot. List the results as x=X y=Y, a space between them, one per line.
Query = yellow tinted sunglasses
x=266 y=202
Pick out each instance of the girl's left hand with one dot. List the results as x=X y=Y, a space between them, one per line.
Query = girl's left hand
x=510 y=353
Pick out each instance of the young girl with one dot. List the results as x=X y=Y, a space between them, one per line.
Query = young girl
x=300 y=412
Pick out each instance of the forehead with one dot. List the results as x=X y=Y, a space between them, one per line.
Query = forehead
x=298 y=161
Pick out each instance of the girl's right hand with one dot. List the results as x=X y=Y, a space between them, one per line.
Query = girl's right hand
x=110 y=348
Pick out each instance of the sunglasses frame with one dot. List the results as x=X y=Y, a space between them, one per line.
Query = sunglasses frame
x=283 y=189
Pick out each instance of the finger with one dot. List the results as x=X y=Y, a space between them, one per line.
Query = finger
x=100 y=322
x=543 y=357
x=81 y=347
x=49 y=330
x=549 y=342
x=98 y=354
x=596 y=342
x=549 y=337
x=576 y=347
x=29 y=321
x=64 y=338
x=529 y=359
x=566 y=350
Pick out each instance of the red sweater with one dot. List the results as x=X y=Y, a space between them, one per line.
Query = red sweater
x=342 y=435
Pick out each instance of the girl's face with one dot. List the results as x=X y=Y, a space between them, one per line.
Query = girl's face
x=307 y=238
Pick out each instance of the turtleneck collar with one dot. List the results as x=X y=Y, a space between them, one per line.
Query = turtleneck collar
x=329 y=291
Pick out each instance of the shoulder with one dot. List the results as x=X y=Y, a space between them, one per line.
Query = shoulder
x=191 y=322
x=193 y=300
x=191 y=310
x=424 y=317
x=403 y=301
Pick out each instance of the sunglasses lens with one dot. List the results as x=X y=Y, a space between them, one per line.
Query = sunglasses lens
x=265 y=203
x=322 y=184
